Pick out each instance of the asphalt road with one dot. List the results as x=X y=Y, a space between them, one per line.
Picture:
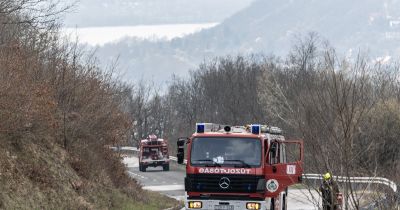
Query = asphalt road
x=171 y=182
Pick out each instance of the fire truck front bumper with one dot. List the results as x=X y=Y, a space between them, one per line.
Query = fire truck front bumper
x=226 y=204
x=156 y=163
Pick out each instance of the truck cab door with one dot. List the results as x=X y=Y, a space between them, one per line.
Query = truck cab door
x=284 y=165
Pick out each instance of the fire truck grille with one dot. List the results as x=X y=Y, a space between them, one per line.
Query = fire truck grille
x=219 y=183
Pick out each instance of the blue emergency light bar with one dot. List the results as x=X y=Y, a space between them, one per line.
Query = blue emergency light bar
x=200 y=127
x=256 y=129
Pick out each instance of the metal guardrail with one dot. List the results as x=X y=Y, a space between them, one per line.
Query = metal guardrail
x=367 y=180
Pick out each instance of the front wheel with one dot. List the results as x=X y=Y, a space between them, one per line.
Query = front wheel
x=272 y=206
x=284 y=202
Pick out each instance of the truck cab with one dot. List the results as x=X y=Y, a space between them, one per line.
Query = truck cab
x=239 y=167
x=153 y=152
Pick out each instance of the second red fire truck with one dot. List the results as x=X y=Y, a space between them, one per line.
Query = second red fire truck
x=153 y=152
x=239 y=167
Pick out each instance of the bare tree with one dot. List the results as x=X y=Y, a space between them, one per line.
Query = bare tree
x=37 y=13
x=326 y=100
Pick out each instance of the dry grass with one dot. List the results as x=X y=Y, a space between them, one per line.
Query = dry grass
x=35 y=176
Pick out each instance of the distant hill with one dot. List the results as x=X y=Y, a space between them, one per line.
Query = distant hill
x=271 y=26
x=149 y=12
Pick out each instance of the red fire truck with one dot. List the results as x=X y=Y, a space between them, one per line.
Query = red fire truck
x=153 y=152
x=239 y=167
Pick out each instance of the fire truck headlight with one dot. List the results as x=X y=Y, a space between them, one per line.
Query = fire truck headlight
x=195 y=204
x=253 y=205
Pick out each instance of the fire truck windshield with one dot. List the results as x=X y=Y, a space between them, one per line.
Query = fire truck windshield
x=223 y=151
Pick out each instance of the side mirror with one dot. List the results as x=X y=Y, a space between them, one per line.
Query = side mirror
x=181 y=149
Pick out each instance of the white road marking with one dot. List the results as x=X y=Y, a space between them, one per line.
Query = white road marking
x=161 y=188
x=138 y=175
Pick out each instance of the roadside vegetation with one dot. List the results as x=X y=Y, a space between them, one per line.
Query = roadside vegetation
x=59 y=113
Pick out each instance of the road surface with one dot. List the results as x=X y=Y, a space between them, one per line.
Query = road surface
x=170 y=183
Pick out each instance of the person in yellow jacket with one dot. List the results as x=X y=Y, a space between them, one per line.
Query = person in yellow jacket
x=329 y=190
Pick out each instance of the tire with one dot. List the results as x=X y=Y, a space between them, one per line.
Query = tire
x=166 y=167
x=272 y=207
x=140 y=167
x=144 y=168
x=284 y=202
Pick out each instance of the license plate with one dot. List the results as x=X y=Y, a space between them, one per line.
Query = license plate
x=223 y=207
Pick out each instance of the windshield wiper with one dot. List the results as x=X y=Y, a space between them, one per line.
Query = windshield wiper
x=244 y=164
x=214 y=164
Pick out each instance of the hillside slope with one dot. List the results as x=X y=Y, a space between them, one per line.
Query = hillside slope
x=272 y=26
x=149 y=12
x=37 y=174
x=58 y=116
